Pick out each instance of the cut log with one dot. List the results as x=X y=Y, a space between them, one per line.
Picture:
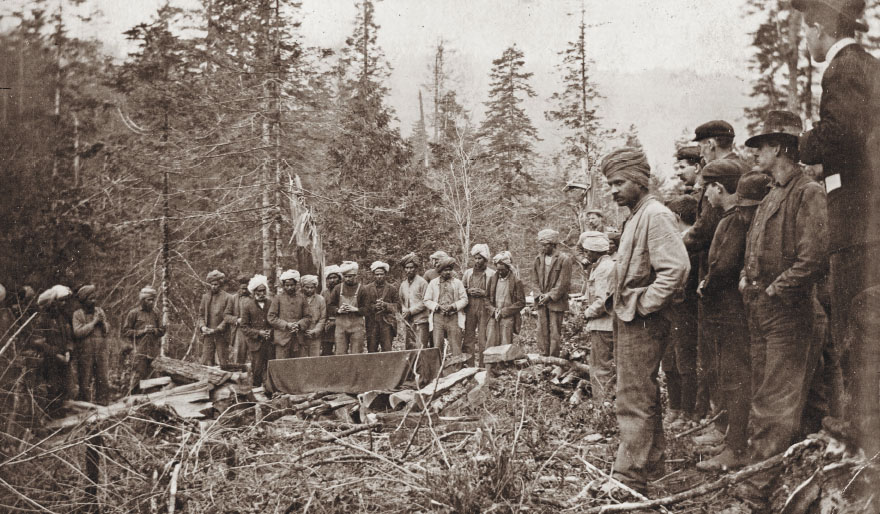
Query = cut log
x=503 y=353
x=154 y=382
x=456 y=360
x=192 y=372
x=535 y=358
x=435 y=388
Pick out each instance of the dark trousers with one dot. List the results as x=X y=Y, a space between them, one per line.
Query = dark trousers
x=601 y=365
x=416 y=335
x=446 y=327
x=638 y=350
x=379 y=336
x=680 y=359
x=550 y=331
x=260 y=361
x=707 y=370
x=476 y=330
x=855 y=319
x=731 y=340
x=93 y=363
x=783 y=359
x=217 y=343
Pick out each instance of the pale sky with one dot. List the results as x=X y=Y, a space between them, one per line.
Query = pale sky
x=665 y=66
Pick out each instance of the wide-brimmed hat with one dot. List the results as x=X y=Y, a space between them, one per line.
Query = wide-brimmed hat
x=850 y=9
x=778 y=125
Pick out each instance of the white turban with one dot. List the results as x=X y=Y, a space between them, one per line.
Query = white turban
x=504 y=258
x=147 y=292
x=481 y=249
x=331 y=270
x=257 y=281
x=348 y=267
x=594 y=241
x=61 y=292
x=290 y=274
x=379 y=264
x=548 y=235
x=439 y=254
x=46 y=297
x=215 y=275
x=310 y=280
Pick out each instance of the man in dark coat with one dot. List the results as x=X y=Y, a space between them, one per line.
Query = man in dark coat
x=506 y=299
x=143 y=327
x=785 y=256
x=90 y=328
x=256 y=328
x=552 y=274
x=381 y=320
x=845 y=141
x=212 y=320
x=233 y=319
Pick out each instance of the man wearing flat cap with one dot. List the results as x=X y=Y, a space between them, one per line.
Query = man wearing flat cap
x=446 y=300
x=846 y=142
x=414 y=314
x=785 y=256
x=651 y=269
x=143 y=328
x=476 y=282
x=599 y=321
x=552 y=273
x=505 y=302
x=212 y=320
x=233 y=320
x=288 y=317
x=382 y=302
x=90 y=329
x=687 y=166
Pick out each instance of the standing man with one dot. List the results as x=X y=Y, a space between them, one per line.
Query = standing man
x=90 y=327
x=412 y=305
x=143 y=327
x=256 y=328
x=433 y=273
x=233 y=319
x=599 y=322
x=476 y=281
x=846 y=142
x=288 y=317
x=506 y=300
x=316 y=310
x=53 y=338
x=687 y=166
x=595 y=220
x=785 y=256
x=212 y=320
x=349 y=301
x=552 y=273
x=446 y=299
x=382 y=307
x=651 y=269
x=332 y=277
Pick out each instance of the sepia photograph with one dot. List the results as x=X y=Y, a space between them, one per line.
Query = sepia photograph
x=454 y=256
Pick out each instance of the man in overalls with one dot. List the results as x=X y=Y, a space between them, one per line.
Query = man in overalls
x=349 y=301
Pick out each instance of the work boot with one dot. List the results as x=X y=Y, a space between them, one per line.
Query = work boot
x=710 y=437
x=725 y=461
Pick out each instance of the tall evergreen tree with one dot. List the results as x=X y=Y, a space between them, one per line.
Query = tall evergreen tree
x=507 y=132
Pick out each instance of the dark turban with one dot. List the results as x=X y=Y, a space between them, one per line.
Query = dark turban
x=445 y=263
x=85 y=292
x=629 y=163
x=410 y=258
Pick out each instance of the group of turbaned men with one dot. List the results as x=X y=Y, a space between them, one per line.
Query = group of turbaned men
x=755 y=289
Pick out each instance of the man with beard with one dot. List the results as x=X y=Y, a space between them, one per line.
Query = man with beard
x=316 y=310
x=332 y=277
x=287 y=315
x=506 y=299
x=233 y=319
x=599 y=322
x=446 y=299
x=382 y=307
x=412 y=305
x=256 y=327
x=52 y=337
x=350 y=302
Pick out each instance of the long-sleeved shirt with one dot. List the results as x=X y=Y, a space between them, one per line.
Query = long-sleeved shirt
x=412 y=299
x=286 y=309
x=254 y=319
x=316 y=309
x=553 y=279
x=721 y=297
x=349 y=291
x=388 y=294
x=508 y=295
x=652 y=262
x=600 y=286
x=457 y=298
x=787 y=244
x=478 y=280
x=84 y=331
x=212 y=310
x=52 y=334
x=133 y=329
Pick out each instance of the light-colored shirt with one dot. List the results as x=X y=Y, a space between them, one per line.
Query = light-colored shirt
x=501 y=292
x=412 y=299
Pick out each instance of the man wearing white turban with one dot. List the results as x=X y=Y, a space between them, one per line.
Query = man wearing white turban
x=256 y=327
x=552 y=273
x=289 y=318
x=212 y=321
x=446 y=299
x=381 y=321
x=316 y=309
x=143 y=329
x=349 y=301
x=599 y=287
x=332 y=277
x=477 y=315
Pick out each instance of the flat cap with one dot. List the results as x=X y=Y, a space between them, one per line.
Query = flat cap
x=721 y=168
x=714 y=128
x=752 y=188
x=688 y=153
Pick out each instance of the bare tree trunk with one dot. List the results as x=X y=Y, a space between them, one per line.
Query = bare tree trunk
x=276 y=132
x=794 y=33
x=438 y=86
x=808 y=92
x=75 y=150
x=166 y=261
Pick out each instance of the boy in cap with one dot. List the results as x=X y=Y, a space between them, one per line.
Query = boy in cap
x=476 y=282
x=552 y=273
x=349 y=301
x=599 y=321
x=412 y=305
x=651 y=269
x=212 y=320
x=90 y=328
x=143 y=328
x=846 y=143
x=288 y=317
x=505 y=302
x=446 y=299
x=381 y=309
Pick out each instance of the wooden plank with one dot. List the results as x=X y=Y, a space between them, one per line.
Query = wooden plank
x=435 y=388
x=154 y=382
x=192 y=371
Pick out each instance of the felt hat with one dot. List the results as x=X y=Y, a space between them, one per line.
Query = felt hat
x=849 y=9
x=784 y=125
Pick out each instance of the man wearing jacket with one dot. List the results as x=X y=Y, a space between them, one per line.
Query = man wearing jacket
x=651 y=269
x=412 y=305
x=846 y=142
x=332 y=277
x=446 y=299
x=233 y=319
x=288 y=317
x=212 y=320
x=256 y=328
x=552 y=273
x=599 y=322
x=90 y=329
x=143 y=328
x=381 y=321
x=505 y=301
x=476 y=282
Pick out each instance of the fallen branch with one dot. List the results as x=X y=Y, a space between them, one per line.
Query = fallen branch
x=535 y=358
x=701 y=426
x=618 y=483
x=172 y=494
x=723 y=482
